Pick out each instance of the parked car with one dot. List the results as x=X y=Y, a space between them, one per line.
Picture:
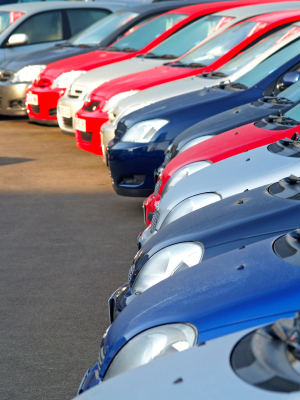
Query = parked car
x=207 y=23
x=19 y=72
x=258 y=363
x=240 y=220
x=190 y=157
x=228 y=293
x=231 y=71
x=132 y=158
x=53 y=81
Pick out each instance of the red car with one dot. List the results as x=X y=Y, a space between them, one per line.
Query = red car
x=51 y=83
x=228 y=43
x=225 y=145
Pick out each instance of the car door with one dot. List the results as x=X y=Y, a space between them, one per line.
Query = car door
x=41 y=28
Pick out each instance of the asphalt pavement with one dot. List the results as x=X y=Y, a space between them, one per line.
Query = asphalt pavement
x=67 y=242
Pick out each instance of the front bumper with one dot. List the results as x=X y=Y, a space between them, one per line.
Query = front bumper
x=132 y=166
x=150 y=205
x=46 y=110
x=12 y=99
x=107 y=133
x=90 y=140
x=67 y=124
x=90 y=379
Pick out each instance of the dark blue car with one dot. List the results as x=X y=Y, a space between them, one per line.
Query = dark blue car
x=241 y=289
x=132 y=165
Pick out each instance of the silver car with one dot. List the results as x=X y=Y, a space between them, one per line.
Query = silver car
x=188 y=37
x=231 y=71
x=32 y=27
x=226 y=178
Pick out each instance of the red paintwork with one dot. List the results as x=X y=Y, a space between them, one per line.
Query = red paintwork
x=218 y=148
x=86 y=62
x=159 y=75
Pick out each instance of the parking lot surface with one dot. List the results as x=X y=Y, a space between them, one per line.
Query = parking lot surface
x=67 y=242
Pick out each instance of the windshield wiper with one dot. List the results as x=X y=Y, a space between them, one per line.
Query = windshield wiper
x=66 y=44
x=191 y=65
x=287 y=333
x=281 y=119
x=113 y=48
x=239 y=85
x=129 y=50
x=277 y=100
x=218 y=74
x=83 y=45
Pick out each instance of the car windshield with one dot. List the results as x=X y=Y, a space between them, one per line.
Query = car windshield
x=270 y=65
x=147 y=32
x=182 y=41
x=103 y=28
x=7 y=18
x=213 y=49
x=255 y=51
x=293 y=113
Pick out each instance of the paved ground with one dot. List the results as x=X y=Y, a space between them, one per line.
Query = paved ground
x=67 y=241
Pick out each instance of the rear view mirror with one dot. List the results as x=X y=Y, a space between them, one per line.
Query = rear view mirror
x=289 y=79
x=17 y=39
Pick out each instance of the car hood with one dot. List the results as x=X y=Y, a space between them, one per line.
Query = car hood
x=165 y=91
x=98 y=76
x=233 y=175
x=44 y=57
x=215 y=296
x=258 y=216
x=233 y=118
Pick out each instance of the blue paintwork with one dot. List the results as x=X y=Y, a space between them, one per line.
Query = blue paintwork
x=215 y=296
x=182 y=112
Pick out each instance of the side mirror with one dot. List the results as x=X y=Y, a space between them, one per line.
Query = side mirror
x=17 y=39
x=289 y=79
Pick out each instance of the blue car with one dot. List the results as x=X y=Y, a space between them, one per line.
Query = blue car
x=237 y=290
x=132 y=165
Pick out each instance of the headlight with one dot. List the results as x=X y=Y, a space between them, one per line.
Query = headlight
x=189 y=205
x=194 y=142
x=66 y=79
x=152 y=344
x=144 y=131
x=167 y=262
x=183 y=173
x=118 y=97
x=28 y=74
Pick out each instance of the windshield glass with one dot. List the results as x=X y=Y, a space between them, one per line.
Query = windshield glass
x=147 y=32
x=294 y=113
x=8 y=18
x=101 y=29
x=270 y=64
x=255 y=51
x=181 y=42
x=213 y=49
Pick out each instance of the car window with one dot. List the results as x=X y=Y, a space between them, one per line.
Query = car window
x=81 y=18
x=219 y=45
x=34 y=27
x=255 y=51
x=270 y=65
x=148 y=32
x=181 y=42
x=101 y=29
x=7 y=18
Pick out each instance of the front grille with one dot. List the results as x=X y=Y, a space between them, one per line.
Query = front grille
x=67 y=122
x=167 y=159
x=86 y=136
x=154 y=221
x=35 y=109
x=157 y=187
x=92 y=107
x=72 y=96
x=53 y=112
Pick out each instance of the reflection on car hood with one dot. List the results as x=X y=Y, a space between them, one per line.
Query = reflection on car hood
x=97 y=76
x=231 y=176
x=44 y=57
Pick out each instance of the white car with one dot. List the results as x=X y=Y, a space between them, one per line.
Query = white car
x=261 y=363
x=73 y=99
x=226 y=178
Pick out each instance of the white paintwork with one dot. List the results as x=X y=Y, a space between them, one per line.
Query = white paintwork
x=205 y=372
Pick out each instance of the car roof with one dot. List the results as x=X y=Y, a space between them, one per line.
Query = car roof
x=44 y=5
x=275 y=16
x=254 y=10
